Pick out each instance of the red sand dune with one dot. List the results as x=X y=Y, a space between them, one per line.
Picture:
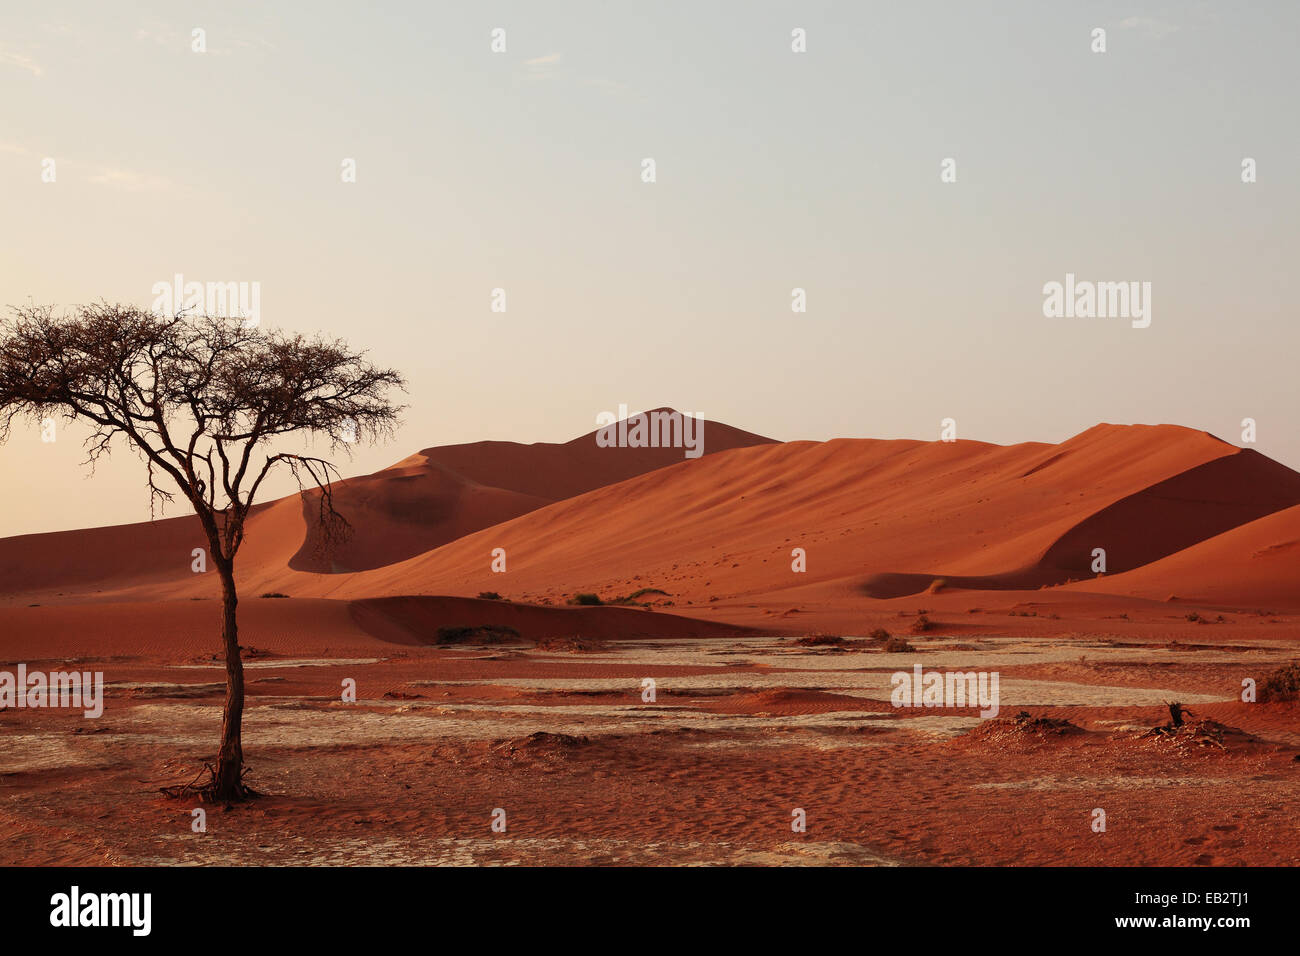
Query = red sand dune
x=150 y=559
x=878 y=519
x=441 y=494
x=426 y=500
x=405 y=510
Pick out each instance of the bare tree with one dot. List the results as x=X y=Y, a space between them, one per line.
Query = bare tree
x=200 y=399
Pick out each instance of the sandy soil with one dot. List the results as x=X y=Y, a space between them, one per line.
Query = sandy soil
x=743 y=731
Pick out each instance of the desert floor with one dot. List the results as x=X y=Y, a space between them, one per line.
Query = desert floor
x=742 y=731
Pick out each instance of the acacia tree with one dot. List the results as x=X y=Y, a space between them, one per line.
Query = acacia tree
x=200 y=399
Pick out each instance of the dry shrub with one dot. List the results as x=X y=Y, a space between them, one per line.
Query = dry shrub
x=1282 y=684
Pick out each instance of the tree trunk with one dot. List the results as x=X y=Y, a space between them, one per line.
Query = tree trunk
x=228 y=780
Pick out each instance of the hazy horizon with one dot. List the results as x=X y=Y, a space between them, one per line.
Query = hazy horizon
x=776 y=170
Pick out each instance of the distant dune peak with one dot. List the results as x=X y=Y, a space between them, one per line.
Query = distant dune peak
x=657 y=428
x=653 y=424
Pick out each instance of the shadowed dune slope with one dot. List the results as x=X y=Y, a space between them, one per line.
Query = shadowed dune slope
x=416 y=620
x=1255 y=565
x=403 y=511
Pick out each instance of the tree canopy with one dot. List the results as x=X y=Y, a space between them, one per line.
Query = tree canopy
x=199 y=397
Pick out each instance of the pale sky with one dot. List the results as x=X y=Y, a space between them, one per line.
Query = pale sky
x=775 y=170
